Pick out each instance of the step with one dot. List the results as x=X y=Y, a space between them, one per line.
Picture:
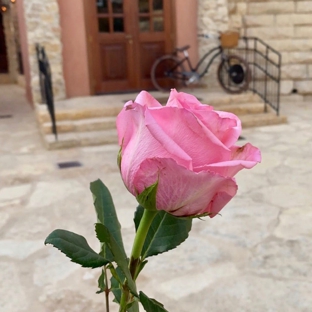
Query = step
x=79 y=113
x=264 y=119
x=72 y=139
x=241 y=109
x=233 y=99
x=82 y=125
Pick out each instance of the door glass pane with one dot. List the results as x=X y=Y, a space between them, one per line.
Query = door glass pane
x=103 y=25
x=144 y=24
x=117 y=6
x=102 y=6
x=158 y=6
x=158 y=23
x=118 y=24
x=143 y=6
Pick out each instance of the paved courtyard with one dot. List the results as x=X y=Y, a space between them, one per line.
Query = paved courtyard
x=256 y=257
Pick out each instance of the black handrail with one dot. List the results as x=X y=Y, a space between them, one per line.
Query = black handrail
x=45 y=79
x=265 y=66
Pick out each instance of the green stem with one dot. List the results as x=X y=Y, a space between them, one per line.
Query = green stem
x=145 y=223
x=124 y=300
x=107 y=290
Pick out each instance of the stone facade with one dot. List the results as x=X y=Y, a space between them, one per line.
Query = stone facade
x=43 y=27
x=286 y=25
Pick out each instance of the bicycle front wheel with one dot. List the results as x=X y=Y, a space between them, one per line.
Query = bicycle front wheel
x=234 y=74
x=168 y=73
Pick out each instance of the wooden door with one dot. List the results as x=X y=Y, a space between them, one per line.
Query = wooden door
x=130 y=34
x=3 y=52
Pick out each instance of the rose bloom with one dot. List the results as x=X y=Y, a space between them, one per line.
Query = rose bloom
x=185 y=146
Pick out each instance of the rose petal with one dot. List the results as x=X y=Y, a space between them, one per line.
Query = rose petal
x=187 y=101
x=183 y=192
x=144 y=98
x=246 y=156
x=172 y=124
x=138 y=143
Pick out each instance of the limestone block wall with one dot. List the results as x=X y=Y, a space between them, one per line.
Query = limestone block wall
x=213 y=17
x=43 y=27
x=286 y=25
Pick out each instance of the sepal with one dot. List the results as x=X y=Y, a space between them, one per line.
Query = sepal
x=147 y=199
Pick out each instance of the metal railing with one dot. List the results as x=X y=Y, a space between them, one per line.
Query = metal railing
x=265 y=66
x=45 y=79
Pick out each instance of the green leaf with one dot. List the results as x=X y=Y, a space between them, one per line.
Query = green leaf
x=120 y=257
x=138 y=216
x=151 y=305
x=117 y=276
x=76 y=248
x=133 y=306
x=166 y=232
x=106 y=214
x=101 y=283
x=147 y=198
x=141 y=267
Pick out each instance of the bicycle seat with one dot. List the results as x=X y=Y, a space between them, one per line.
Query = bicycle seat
x=183 y=48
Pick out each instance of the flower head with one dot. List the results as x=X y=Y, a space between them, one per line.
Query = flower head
x=186 y=149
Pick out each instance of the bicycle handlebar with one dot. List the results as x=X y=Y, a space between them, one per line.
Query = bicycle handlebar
x=209 y=36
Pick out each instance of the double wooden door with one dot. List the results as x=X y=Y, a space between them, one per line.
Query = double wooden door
x=129 y=36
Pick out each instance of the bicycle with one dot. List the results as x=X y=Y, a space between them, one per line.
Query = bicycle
x=233 y=72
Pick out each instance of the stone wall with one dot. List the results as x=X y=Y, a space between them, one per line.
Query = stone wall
x=213 y=17
x=286 y=25
x=43 y=27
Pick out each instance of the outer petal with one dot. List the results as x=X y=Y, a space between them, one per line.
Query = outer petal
x=225 y=126
x=138 y=143
x=183 y=192
x=145 y=99
x=187 y=101
x=246 y=156
x=184 y=129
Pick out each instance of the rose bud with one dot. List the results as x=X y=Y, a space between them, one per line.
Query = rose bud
x=185 y=151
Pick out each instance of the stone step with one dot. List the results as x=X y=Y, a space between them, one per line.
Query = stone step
x=74 y=139
x=90 y=125
x=264 y=119
x=79 y=113
x=241 y=109
x=233 y=99
x=82 y=125
x=114 y=109
x=105 y=123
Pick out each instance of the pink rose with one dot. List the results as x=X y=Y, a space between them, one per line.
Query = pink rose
x=185 y=146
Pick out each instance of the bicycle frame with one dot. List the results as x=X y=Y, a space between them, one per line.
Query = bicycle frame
x=219 y=50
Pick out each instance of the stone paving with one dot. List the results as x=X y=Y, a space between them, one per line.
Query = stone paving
x=256 y=257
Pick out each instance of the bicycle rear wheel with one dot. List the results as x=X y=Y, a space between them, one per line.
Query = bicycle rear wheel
x=234 y=74
x=168 y=73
